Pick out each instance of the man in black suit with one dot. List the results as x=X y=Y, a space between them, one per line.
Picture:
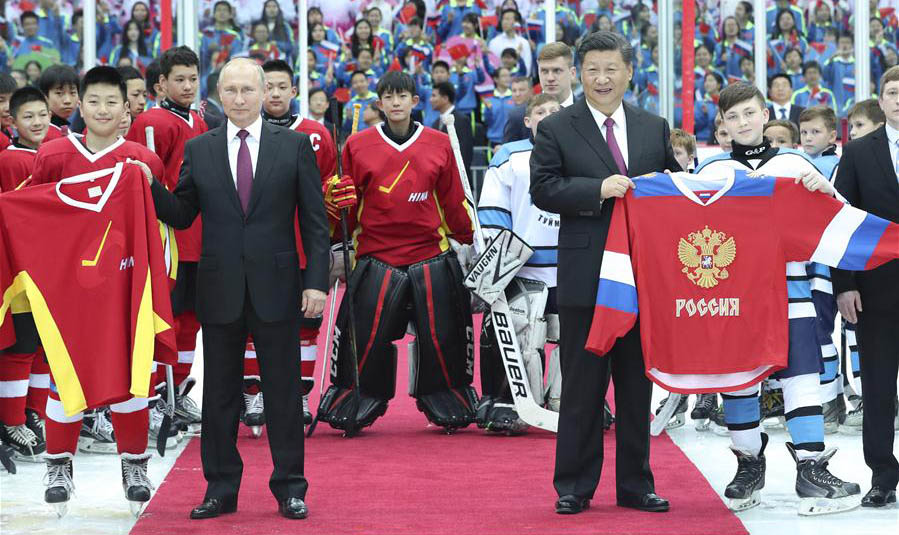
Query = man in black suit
x=443 y=97
x=582 y=158
x=780 y=92
x=250 y=179
x=867 y=179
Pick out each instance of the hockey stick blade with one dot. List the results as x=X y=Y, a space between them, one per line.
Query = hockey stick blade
x=658 y=423
x=525 y=404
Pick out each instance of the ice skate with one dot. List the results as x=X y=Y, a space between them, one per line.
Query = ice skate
x=744 y=491
x=60 y=487
x=307 y=414
x=25 y=444
x=34 y=422
x=772 y=408
x=186 y=408
x=702 y=411
x=96 y=435
x=834 y=414
x=502 y=418
x=254 y=413
x=852 y=424
x=717 y=423
x=157 y=413
x=135 y=483
x=678 y=418
x=821 y=492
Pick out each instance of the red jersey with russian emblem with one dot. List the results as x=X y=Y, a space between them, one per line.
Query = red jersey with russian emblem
x=16 y=163
x=410 y=196
x=86 y=253
x=170 y=132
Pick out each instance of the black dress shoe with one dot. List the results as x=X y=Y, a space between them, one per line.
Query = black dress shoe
x=293 y=508
x=645 y=502
x=213 y=507
x=571 y=504
x=879 y=497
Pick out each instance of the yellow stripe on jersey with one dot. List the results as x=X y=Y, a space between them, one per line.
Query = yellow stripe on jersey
x=356 y=232
x=443 y=229
x=149 y=324
x=70 y=392
x=169 y=249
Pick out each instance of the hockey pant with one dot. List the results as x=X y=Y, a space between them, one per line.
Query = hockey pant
x=531 y=309
x=831 y=379
x=386 y=299
x=130 y=422
x=24 y=373
x=309 y=328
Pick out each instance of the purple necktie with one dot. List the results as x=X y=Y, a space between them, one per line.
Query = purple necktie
x=613 y=146
x=244 y=171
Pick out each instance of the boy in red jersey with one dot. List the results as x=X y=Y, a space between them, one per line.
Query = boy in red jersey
x=59 y=83
x=412 y=207
x=31 y=117
x=173 y=124
x=7 y=86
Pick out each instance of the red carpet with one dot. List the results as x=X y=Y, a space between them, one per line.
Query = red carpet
x=403 y=477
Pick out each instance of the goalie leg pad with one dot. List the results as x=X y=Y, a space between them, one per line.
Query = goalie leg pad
x=336 y=409
x=380 y=294
x=450 y=409
x=527 y=304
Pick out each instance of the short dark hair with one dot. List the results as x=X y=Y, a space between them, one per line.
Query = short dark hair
x=824 y=113
x=811 y=65
x=414 y=21
x=178 y=55
x=395 y=82
x=7 y=83
x=736 y=93
x=316 y=91
x=153 y=72
x=519 y=79
x=28 y=15
x=869 y=108
x=604 y=41
x=783 y=123
x=440 y=63
x=891 y=75
x=357 y=72
x=447 y=90
x=511 y=52
x=129 y=73
x=58 y=75
x=24 y=96
x=212 y=84
x=103 y=75
x=278 y=65
x=780 y=75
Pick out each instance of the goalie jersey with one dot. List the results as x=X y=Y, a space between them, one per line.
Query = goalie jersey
x=702 y=261
x=86 y=253
x=505 y=203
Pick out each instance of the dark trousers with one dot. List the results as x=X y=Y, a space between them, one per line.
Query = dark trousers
x=585 y=378
x=223 y=356
x=878 y=344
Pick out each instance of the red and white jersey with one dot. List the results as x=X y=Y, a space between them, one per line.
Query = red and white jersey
x=16 y=164
x=69 y=156
x=55 y=132
x=4 y=141
x=410 y=196
x=170 y=133
x=86 y=253
x=322 y=145
x=702 y=262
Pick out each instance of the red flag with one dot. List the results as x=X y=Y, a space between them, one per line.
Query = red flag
x=408 y=13
x=395 y=65
x=458 y=52
x=589 y=19
x=488 y=21
x=342 y=94
x=818 y=47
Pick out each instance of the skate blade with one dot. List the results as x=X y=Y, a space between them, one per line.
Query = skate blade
x=36 y=459
x=60 y=508
x=775 y=423
x=827 y=506
x=255 y=431
x=170 y=443
x=831 y=428
x=137 y=508
x=742 y=504
x=677 y=421
x=702 y=424
x=89 y=445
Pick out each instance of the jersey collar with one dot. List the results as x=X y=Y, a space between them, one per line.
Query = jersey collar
x=400 y=148
x=93 y=157
x=678 y=179
x=116 y=173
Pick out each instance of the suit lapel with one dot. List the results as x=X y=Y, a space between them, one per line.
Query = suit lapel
x=268 y=150
x=218 y=147
x=634 y=141
x=881 y=148
x=583 y=123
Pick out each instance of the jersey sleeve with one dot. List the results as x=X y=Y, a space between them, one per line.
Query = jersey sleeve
x=7 y=333
x=326 y=156
x=495 y=204
x=451 y=198
x=817 y=227
x=616 y=308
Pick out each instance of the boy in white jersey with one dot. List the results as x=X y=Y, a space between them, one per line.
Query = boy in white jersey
x=744 y=116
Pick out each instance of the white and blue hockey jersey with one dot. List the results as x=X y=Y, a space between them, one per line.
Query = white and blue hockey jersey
x=505 y=203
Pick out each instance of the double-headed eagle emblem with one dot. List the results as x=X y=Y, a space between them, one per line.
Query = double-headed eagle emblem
x=705 y=255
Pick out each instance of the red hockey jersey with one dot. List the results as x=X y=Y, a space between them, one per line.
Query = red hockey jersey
x=703 y=262
x=16 y=164
x=170 y=133
x=86 y=252
x=410 y=195
x=68 y=157
x=322 y=145
x=4 y=141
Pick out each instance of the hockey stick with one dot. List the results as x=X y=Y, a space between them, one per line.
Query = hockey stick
x=661 y=420
x=166 y=425
x=525 y=403
x=327 y=363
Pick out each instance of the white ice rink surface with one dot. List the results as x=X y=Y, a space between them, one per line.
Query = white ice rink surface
x=99 y=507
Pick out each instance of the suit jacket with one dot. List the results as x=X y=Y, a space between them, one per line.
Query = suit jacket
x=569 y=162
x=515 y=129
x=794 y=113
x=867 y=179
x=466 y=137
x=253 y=254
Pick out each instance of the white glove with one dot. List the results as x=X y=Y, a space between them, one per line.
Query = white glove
x=465 y=255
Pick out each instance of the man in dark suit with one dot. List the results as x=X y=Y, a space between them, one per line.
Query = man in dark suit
x=443 y=96
x=780 y=91
x=867 y=179
x=250 y=179
x=582 y=158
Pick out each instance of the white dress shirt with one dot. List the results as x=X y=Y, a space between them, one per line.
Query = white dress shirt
x=620 y=128
x=255 y=131
x=893 y=137
x=776 y=107
x=568 y=101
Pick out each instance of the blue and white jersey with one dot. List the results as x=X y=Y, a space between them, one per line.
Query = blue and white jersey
x=505 y=203
x=782 y=163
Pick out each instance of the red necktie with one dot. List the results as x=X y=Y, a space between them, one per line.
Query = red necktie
x=613 y=146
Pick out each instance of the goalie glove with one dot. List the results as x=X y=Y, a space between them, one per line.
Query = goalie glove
x=339 y=194
x=464 y=253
